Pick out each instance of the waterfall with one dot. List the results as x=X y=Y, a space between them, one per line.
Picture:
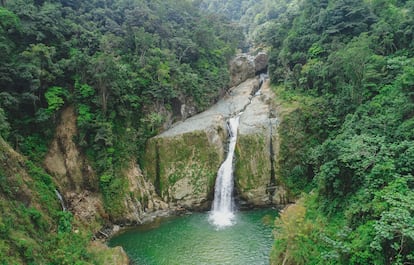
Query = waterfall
x=222 y=211
x=62 y=203
x=262 y=79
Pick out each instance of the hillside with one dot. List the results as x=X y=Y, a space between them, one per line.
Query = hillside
x=86 y=85
x=83 y=85
x=344 y=70
x=33 y=227
x=347 y=68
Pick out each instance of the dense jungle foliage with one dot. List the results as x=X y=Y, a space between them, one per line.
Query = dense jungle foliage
x=254 y=16
x=348 y=65
x=122 y=64
x=119 y=62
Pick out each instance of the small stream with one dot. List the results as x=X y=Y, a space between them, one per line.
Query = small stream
x=192 y=240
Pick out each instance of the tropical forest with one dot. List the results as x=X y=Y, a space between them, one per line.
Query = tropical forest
x=240 y=132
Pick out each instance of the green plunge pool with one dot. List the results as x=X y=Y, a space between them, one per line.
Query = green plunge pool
x=192 y=240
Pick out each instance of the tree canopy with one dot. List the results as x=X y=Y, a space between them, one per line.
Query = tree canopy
x=122 y=64
x=349 y=64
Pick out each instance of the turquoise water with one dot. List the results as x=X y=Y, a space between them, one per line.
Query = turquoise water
x=192 y=240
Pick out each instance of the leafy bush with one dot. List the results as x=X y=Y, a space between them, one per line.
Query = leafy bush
x=55 y=97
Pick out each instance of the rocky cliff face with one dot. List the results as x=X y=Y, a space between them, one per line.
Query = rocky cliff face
x=256 y=152
x=182 y=162
x=75 y=178
x=78 y=183
x=183 y=166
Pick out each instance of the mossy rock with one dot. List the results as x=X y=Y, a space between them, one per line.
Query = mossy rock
x=183 y=167
x=253 y=168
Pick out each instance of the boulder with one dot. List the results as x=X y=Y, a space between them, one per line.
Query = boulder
x=241 y=68
x=261 y=62
x=245 y=66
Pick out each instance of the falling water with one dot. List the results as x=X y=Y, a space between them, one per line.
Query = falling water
x=62 y=203
x=222 y=212
x=262 y=79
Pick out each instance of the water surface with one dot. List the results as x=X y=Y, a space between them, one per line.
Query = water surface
x=192 y=240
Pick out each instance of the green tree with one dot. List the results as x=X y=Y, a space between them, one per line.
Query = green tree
x=55 y=97
x=351 y=63
x=394 y=231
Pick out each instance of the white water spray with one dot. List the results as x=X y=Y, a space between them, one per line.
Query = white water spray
x=222 y=214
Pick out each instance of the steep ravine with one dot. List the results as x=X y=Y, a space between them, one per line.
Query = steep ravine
x=182 y=162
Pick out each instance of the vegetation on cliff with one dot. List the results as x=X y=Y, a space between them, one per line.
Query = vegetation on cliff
x=124 y=65
x=33 y=229
x=343 y=72
x=344 y=67
x=347 y=67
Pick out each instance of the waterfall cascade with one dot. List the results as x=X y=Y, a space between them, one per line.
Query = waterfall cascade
x=223 y=205
x=62 y=203
x=222 y=212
